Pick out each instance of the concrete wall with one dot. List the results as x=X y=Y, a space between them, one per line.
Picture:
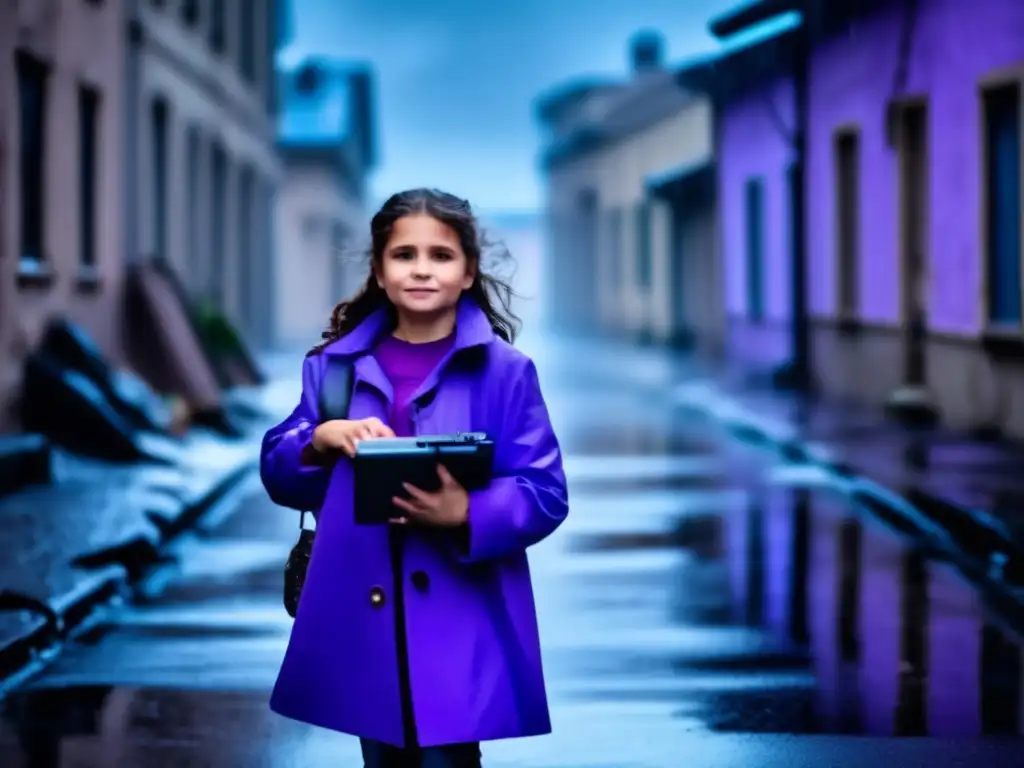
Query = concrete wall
x=957 y=47
x=212 y=106
x=752 y=145
x=78 y=43
x=321 y=255
x=617 y=174
x=955 y=50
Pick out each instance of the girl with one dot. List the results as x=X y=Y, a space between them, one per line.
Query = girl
x=421 y=637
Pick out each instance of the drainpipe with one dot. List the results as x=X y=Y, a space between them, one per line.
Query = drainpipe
x=796 y=374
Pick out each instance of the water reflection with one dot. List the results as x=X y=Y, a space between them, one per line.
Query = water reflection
x=136 y=727
x=49 y=727
x=900 y=644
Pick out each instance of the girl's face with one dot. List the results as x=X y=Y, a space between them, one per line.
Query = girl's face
x=423 y=269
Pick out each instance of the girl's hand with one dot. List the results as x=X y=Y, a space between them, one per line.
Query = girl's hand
x=344 y=435
x=447 y=508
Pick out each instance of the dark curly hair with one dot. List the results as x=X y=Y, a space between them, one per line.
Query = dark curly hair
x=492 y=294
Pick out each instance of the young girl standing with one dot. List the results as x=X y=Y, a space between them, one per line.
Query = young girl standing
x=421 y=637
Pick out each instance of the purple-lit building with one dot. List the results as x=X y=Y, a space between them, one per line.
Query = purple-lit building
x=913 y=171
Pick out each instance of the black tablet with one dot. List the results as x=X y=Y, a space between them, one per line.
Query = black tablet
x=382 y=465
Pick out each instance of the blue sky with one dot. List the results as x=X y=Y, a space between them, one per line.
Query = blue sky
x=456 y=78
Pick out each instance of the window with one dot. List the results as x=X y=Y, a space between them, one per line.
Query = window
x=846 y=151
x=615 y=249
x=88 y=193
x=754 y=215
x=1002 y=187
x=643 y=245
x=32 y=97
x=218 y=229
x=190 y=12
x=158 y=200
x=218 y=25
x=586 y=241
x=247 y=41
x=245 y=220
x=192 y=184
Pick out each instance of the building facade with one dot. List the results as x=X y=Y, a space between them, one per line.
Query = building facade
x=326 y=142
x=61 y=91
x=630 y=211
x=752 y=94
x=202 y=164
x=519 y=237
x=913 y=206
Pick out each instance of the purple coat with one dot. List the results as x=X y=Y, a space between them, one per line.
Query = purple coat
x=473 y=659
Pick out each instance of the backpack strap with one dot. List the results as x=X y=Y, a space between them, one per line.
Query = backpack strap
x=336 y=389
x=335 y=397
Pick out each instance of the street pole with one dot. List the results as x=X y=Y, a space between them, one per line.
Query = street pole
x=795 y=374
x=800 y=322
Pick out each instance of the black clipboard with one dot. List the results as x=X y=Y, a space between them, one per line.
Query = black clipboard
x=381 y=465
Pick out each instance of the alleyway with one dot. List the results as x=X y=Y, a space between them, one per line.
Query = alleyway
x=703 y=606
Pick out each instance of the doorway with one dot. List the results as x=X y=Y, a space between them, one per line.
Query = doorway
x=912 y=153
x=695 y=292
x=846 y=150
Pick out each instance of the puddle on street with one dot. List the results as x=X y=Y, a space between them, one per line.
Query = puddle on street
x=899 y=644
x=686 y=602
x=858 y=632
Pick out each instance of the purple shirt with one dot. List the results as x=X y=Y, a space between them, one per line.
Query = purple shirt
x=406 y=366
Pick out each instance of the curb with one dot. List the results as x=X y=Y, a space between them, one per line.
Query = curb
x=60 y=619
x=974 y=540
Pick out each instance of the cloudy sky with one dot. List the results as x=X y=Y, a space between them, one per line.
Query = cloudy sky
x=456 y=78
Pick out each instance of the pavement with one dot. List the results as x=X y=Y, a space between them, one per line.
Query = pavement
x=708 y=603
x=962 y=493
x=85 y=531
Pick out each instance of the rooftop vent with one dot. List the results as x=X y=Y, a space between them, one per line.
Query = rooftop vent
x=647 y=50
x=308 y=79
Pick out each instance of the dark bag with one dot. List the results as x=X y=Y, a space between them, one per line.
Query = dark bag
x=335 y=396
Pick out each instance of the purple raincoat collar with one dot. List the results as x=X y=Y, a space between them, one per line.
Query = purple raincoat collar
x=472 y=329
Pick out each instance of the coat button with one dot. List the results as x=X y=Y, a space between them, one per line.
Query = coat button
x=377 y=597
x=420 y=580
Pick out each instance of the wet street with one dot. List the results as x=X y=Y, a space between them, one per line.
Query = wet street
x=703 y=605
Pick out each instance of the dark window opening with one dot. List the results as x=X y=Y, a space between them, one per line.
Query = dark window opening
x=88 y=155
x=218 y=228
x=159 y=127
x=754 y=213
x=192 y=185
x=1002 y=185
x=190 y=12
x=847 y=190
x=218 y=25
x=644 y=257
x=32 y=97
x=247 y=43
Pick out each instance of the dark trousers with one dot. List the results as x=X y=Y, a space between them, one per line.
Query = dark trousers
x=377 y=755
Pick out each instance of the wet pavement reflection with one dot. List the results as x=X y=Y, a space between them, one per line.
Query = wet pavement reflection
x=702 y=606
